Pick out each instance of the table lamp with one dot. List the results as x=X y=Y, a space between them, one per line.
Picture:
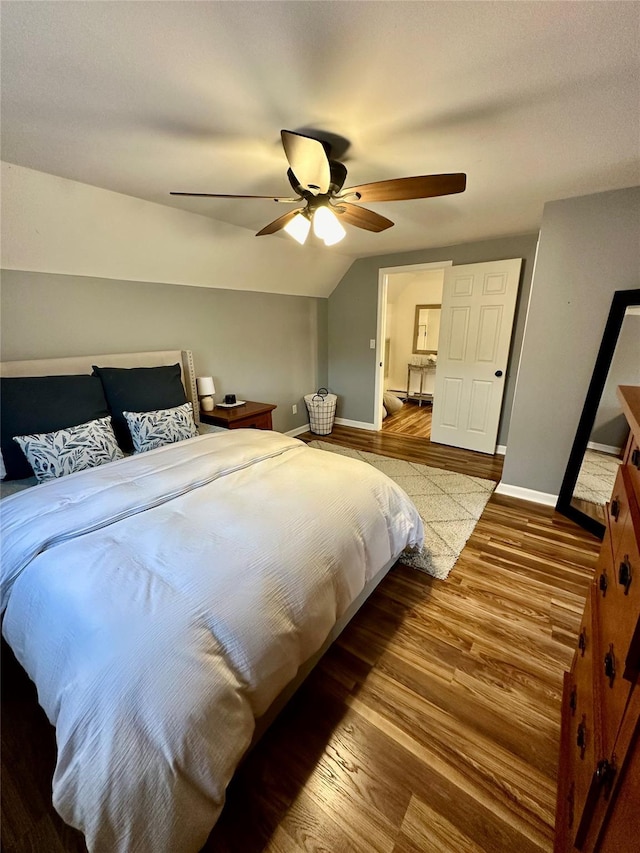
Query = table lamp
x=206 y=390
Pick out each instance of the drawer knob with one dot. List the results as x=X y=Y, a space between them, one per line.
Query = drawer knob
x=615 y=508
x=635 y=457
x=582 y=642
x=581 y=737
x=602 y=584
x=604 y=773
x=624 y=574
x=610 y=665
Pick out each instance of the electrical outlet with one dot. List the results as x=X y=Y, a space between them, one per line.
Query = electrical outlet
x=294 y=409
x=372 y=343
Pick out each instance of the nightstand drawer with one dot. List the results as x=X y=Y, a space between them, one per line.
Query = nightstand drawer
x=262 y=421
x=248 y=415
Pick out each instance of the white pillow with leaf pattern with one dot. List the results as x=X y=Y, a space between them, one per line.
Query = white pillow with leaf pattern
x=164 y=426
x=65 y=451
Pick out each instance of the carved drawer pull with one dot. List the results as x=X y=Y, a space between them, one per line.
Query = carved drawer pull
x=602 y=584
x=624 y=574
x=615 y=508
x=581 y=736
x=573 y=699
x=582 y=642
x=635 y=457
x=610 y=665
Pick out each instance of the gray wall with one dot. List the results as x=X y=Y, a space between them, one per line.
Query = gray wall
x=261 y=346
x=610 y=425
x=323 y=343
x=589 y=248
x=353 y=307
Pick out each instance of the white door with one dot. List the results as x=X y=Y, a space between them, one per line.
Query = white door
x=478 y=305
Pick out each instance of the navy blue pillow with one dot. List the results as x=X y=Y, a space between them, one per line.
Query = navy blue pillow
x=139 y=389
x=34 y=404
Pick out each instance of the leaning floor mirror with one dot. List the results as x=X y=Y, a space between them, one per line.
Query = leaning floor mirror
x=602 y=433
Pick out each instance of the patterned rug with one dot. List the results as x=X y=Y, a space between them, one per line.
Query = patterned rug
x=450 y=505
x=597 y=477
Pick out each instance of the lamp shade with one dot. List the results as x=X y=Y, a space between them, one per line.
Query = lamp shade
x=327 y=227
x=298 y=228
x=205 y=386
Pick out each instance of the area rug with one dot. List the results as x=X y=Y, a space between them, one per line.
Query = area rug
x=450 y=505
x=597 y=477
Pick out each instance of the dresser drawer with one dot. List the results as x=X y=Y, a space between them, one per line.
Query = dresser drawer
x=618 y=508
x=616 y=624
x=614 y=826
x=625 y=600
x=583 y=737
x=632 y=464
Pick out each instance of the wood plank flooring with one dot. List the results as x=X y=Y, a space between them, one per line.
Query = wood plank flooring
x=415 y=450
x=411 y=419
x=430 y=726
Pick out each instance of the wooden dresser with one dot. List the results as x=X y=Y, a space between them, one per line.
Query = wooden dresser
x=598 y=806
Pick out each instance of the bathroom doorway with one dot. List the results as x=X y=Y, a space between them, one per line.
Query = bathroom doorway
x=409 y=319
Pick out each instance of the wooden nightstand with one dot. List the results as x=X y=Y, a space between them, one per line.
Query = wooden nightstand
x=247 y=416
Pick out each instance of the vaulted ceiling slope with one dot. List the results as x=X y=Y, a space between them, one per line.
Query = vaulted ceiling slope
x=534 y=101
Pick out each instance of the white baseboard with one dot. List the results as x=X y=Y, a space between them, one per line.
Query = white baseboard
x=356 y=424
x=298 y=430
x=604 y=448
x=526 y=494
x=501 y=449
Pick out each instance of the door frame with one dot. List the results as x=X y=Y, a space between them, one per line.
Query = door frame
x=383 y=275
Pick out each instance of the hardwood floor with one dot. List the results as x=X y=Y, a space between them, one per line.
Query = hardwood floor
x=415 y=450
x=430 y=726
x=412 y=419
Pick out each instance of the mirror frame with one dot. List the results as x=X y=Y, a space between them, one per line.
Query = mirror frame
x=416 y=325
x=622 y=299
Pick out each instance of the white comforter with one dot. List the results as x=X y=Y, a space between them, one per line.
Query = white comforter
x=160 y=604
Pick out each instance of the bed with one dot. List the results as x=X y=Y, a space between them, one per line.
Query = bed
x=167 y=603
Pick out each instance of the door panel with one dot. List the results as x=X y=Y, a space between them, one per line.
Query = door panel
x=458 y=334
x=489 y=333
x=479 y=407
x=478 y=306
x=452 y=390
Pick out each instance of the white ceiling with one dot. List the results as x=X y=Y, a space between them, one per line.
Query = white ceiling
x=534 y=101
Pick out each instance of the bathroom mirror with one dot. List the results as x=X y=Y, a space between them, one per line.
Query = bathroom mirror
x=426 y=329
x=617 y=363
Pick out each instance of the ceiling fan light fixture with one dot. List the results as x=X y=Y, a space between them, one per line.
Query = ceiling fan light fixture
x=327 y=227
x=298 y=228
x=319 y=181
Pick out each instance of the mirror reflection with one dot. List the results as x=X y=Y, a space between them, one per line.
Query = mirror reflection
x=426 y=330
x=609 y=431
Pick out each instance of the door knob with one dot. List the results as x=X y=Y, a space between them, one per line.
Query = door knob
x=498 y=373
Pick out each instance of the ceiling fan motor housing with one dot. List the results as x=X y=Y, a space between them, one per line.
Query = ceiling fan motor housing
x=338 y=177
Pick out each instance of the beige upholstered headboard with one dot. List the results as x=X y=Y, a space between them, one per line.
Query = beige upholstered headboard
x=84 y=364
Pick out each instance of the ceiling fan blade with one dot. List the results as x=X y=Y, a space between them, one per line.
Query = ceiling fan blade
x=403 y=189
x=353 y=214
x=224 y=195
x=308 y=161
x=277 y=224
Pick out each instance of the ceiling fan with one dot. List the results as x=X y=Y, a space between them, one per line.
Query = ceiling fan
x=319 y=180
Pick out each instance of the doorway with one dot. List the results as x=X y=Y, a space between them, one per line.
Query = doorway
x=409 y=299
